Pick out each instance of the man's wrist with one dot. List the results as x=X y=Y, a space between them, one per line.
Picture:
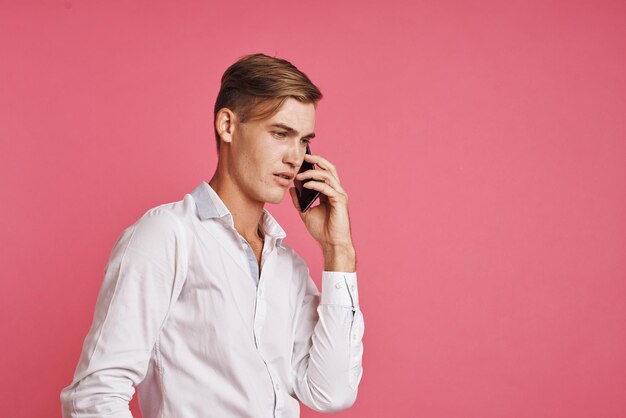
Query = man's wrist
x=339 y=258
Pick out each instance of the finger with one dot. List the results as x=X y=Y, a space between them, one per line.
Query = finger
x=321 y=175
x=294 y=198
x=325 y=189
x=322 y=163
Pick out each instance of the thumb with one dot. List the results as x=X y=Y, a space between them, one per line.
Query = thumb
x=294 y=198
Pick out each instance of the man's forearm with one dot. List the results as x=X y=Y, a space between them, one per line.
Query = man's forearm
x=340 y=258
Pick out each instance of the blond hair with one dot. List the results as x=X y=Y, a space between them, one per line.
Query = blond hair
x=257 y=85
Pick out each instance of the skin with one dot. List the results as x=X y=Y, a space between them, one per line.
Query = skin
x=250 y=154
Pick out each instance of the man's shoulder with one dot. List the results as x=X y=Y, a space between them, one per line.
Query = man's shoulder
x=179 y=209
x=165 y=219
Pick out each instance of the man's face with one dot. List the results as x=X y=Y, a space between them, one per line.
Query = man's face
x=260 y=149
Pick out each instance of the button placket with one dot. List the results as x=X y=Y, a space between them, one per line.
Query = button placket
x=280 y=402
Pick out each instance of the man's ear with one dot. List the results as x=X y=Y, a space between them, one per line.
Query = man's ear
x=225 y=121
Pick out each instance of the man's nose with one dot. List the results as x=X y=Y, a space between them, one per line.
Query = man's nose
x=295 y=155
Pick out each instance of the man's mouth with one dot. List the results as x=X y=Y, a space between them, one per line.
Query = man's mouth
x=286 y=175
x=283 y=180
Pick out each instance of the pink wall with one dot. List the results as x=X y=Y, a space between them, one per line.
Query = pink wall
x=483 y=147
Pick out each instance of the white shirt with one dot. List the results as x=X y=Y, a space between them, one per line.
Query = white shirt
x=183 y=316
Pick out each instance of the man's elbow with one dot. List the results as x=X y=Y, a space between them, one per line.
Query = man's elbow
x=343 y=403
x=90 y=402
x=339 y=401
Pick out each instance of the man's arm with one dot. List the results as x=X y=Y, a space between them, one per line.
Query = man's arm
x=328 y=346
x=142 y=276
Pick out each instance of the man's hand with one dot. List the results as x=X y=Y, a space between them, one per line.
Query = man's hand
x=328 y=222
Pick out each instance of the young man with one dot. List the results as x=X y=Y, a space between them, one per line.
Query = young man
x=203 y=308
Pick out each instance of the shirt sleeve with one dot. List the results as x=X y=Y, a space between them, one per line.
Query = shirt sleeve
x=328 y=346
x=143 y=274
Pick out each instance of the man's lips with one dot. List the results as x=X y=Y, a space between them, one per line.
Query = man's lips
x=282 y=181
x=288 y=175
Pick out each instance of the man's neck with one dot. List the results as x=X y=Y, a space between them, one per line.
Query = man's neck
x=246 y=217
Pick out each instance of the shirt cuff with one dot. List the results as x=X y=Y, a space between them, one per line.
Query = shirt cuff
x=339 y=288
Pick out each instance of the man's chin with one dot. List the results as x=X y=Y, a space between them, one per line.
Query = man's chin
x=275 y=198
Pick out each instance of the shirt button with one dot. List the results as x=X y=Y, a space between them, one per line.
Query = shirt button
x=352 y=287
x=354 y=336
x=260 y=292
x=277 y=386
x=338 y=285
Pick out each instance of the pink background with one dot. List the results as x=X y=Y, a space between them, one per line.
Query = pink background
x=482 y=144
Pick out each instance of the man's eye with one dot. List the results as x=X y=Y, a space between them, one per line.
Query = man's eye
x=281 y=134
x=306 y=140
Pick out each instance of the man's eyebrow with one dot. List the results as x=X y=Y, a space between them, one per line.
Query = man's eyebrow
x=291 y=130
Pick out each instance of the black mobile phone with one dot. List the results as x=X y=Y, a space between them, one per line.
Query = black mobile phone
x=305 y=196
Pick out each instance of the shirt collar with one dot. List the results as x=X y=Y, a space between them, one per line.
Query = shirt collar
x=210 y=205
